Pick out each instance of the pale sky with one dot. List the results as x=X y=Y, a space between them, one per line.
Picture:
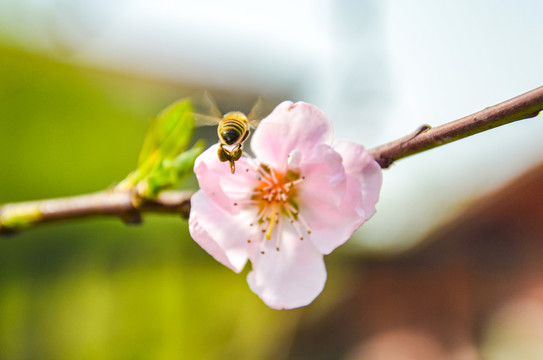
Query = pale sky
x=378 y=68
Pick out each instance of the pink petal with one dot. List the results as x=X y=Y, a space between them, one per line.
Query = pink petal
x=291 y=277
x=332 y=226
x=290 y=126
x=223 y=235
x=332 y=223
x=359 y=162
x=219 y=184
x=324 y=178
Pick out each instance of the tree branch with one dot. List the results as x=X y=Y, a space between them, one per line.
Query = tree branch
x=524 y=106
x=126 y=205
x=129 y=206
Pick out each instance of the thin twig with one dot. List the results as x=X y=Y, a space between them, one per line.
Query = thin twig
x=129 y=207
x=521 y=107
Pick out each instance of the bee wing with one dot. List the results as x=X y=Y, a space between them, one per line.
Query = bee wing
x=205 y=120
x=260 y=110
x=254 y=123
x=205 y=105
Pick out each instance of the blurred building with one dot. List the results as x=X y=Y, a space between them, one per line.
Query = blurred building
x=473 y=290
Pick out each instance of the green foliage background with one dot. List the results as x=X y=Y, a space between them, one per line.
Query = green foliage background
x=98 y=289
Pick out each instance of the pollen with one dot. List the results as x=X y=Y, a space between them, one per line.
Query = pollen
x=275 y=197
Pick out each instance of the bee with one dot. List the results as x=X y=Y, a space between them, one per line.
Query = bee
x=233 y=127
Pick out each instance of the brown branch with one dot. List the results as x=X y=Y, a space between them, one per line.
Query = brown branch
x=524 y=106
x=123 y=204
x=129 y=207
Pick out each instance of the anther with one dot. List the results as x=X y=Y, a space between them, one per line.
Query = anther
x=277 y=249
x=235 y=204
x=249 y=241
x=262 y=252
x=301 y=238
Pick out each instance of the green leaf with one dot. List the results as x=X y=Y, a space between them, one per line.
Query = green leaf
x=168 y=136
x=171 y=173
x=169 y=133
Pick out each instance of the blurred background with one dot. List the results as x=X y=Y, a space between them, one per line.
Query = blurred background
x=448 y=268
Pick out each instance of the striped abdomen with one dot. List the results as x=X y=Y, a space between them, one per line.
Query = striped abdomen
x=233 y=128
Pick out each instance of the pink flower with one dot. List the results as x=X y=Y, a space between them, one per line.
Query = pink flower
x=301 y=198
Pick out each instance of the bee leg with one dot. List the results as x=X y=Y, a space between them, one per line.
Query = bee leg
x=231 y=156
x=236 y=153
x=223 y=154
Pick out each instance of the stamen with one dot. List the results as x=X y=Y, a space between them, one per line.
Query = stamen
x=304 y=223
x=291 y=208
x=267 y=181
x=261 y=172
x=246 y=202
x=295 y=182
x=274 y=177
x=295 y=225
x=273 y=198
x=278 y=233
x=262 y=243
x=261 y=212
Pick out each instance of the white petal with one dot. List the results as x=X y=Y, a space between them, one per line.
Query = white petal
x=223 y=235
x=324 y=178
x=219 y=184
x=290 y=126
x=332 y=226
x=333 y=213
x=359 y=162
x=291 y=277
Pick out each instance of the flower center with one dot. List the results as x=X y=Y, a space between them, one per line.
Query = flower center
x=275 y=198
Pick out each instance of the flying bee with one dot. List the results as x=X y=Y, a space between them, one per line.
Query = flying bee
x=233 y=128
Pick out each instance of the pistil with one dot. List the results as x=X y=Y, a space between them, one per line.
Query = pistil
x=275 y=197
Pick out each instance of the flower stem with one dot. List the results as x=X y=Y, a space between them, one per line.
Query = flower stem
x=129 y=206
